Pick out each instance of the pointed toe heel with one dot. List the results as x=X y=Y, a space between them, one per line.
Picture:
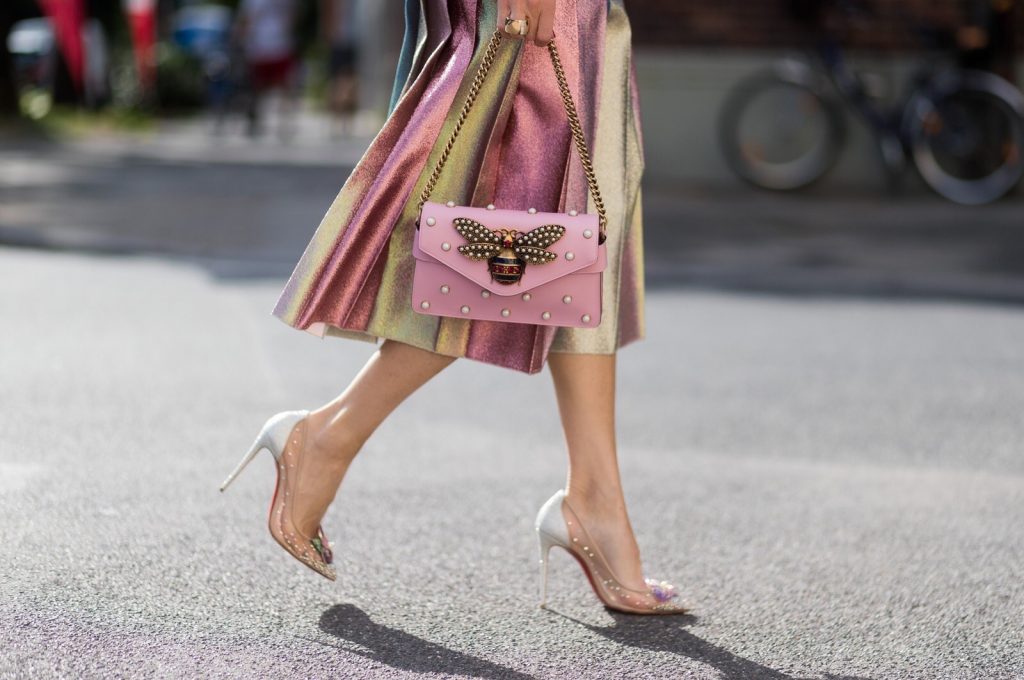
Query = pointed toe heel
x=553 y=529
x=282 y=435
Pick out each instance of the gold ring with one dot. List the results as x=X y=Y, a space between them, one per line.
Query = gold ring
x=516 y=26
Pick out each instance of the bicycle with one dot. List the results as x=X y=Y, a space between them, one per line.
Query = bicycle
x=963 y=130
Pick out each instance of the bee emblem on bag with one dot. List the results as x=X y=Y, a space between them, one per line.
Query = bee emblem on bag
x=507 y=251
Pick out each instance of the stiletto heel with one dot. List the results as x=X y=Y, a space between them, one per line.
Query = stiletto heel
x=257 y=446
x=282 y=435
x=554 y=529
x=545 y=542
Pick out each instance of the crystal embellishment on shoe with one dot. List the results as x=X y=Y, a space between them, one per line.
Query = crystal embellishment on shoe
x=667 y=596
x=320 y=543
x=663 y=591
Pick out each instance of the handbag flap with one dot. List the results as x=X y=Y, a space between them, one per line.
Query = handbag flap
x=577 y=249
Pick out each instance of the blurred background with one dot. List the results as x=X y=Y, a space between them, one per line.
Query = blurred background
x=886 y=104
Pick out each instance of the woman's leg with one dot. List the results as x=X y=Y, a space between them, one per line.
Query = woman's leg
x=338 y=429
x=585 y=387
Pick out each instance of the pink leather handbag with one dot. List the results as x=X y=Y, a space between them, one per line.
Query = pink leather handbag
x=518 y=266
x=451 y=280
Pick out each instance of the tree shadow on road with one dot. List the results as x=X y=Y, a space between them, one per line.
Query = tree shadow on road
x=403 y=651
x=667 y=634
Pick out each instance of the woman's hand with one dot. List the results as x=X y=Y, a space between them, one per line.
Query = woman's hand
x=540 y=16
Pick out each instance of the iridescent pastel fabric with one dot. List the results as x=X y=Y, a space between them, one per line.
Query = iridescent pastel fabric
x=354 y=279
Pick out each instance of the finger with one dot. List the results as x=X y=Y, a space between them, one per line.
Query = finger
x=503 y=9
x=531 y=26
x=532 y=15
x=545 y=28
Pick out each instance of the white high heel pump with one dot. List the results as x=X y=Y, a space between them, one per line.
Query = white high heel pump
x=555 y=528
x=284 y=436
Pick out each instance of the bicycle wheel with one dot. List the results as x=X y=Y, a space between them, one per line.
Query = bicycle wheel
x=778 y=131
x=966 y=132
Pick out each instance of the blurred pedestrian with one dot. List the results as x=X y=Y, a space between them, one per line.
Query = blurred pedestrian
x=267 y=31
x=986 y=39
x=338 y=20
x=517 y=150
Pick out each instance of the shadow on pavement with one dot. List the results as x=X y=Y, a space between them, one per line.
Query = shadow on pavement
x=667 y=634
x=403 y=651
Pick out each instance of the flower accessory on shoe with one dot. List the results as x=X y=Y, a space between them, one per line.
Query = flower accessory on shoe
x=663 y=591
x=322 y=546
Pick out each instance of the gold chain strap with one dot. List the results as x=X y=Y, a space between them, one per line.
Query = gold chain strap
x=570 y=109
x=577 y=134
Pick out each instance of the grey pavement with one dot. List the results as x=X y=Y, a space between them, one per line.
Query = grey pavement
x=836 y=485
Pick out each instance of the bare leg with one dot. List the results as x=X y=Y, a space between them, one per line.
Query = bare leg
x=585 y=387
x=338 y=430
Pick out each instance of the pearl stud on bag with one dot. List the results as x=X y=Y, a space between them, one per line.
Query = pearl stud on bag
x=518 y=266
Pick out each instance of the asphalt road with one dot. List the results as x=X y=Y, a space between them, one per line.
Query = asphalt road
x=835 y=483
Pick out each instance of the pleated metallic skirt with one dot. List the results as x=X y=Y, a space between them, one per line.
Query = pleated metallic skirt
x=354 y=279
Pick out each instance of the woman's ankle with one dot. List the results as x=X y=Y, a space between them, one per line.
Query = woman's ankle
x=329 y=435
x=602 y=500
